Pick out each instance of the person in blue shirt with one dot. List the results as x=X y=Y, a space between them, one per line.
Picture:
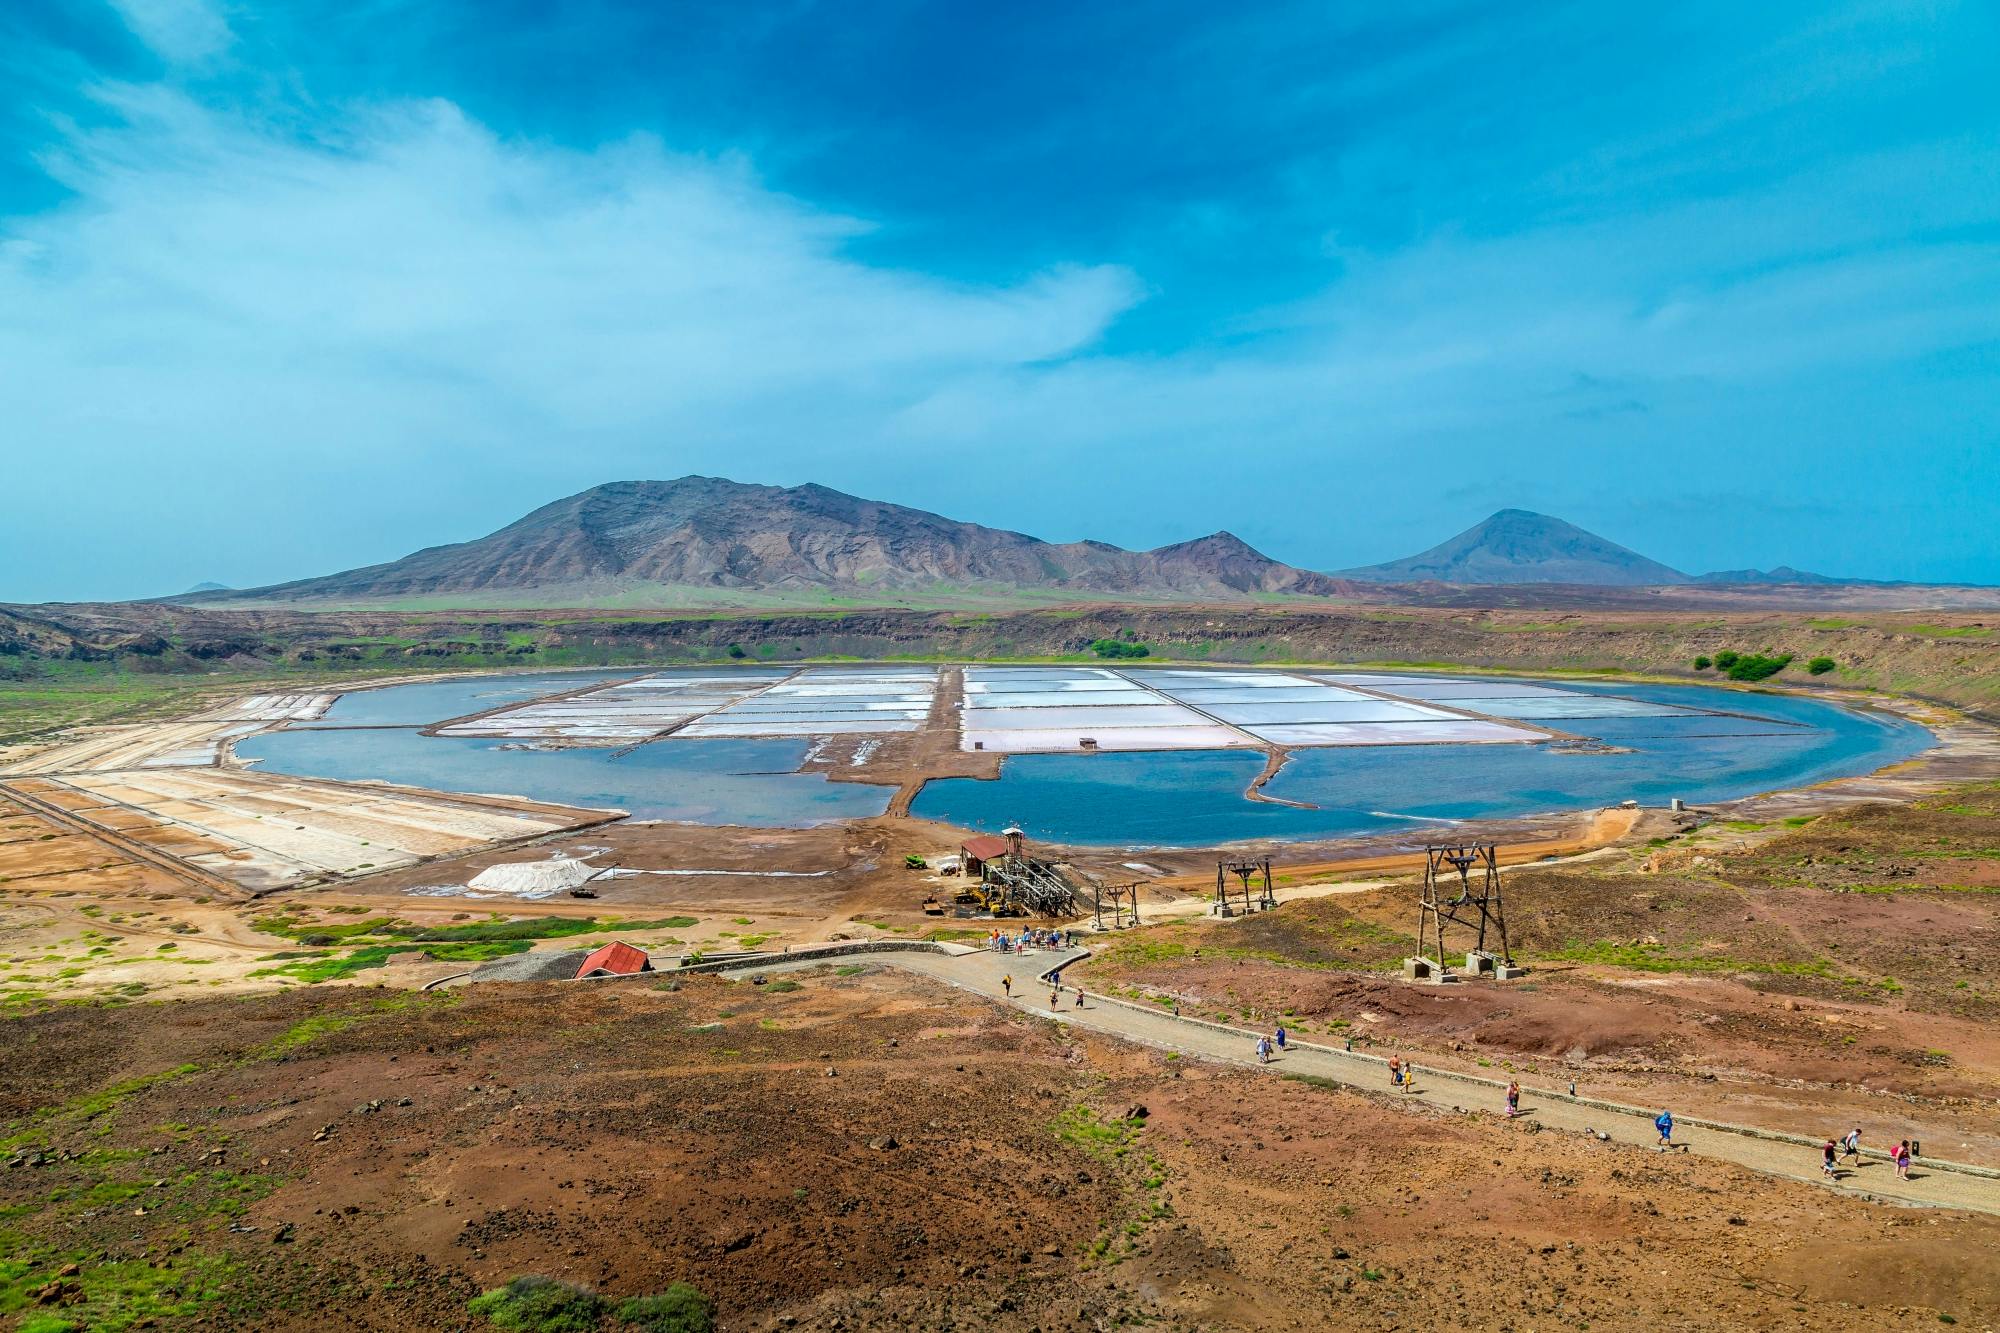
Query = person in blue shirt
x=1665 y=1124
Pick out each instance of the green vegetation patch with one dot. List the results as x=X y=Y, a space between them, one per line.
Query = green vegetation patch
x=531 y=1304
x=1950 y=631
x=539 y=928
x=681 y=1308
x=111 y=1294
x=1099 y=1135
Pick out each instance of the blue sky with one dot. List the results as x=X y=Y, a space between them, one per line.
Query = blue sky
x=289 y=289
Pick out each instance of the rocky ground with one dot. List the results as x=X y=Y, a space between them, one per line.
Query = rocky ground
x=867 y=1150
x=1801 y=977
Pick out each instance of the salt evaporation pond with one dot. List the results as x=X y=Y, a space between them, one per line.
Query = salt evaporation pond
x=1179 y=798
x=372 y=735
x=1196 y=799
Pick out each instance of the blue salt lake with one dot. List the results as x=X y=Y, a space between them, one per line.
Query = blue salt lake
x=1188 y=798
x=1192 y=799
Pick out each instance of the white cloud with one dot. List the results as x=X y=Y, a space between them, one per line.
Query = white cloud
x=183 y=32
x=419 y=267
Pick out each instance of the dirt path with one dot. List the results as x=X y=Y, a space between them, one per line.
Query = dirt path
x=980 y=972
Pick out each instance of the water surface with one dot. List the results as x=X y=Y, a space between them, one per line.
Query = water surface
x=1196 y=799
x=693 y=781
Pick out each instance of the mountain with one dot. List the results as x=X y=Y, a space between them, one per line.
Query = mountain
x=206 y=587
x=703 y=534
x=1516 y=546
x=1783 y=574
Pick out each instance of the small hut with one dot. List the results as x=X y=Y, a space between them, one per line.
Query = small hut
x=615 y=960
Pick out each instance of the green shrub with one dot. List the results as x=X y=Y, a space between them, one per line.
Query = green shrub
x=1819 y=666
x=678 y=1309
x=1703 y=663
x=531 y=1304
x=1756 y=666
x=1119 y=648
x=1725 y=659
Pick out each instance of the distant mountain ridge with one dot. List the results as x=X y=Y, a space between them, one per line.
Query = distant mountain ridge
x=709 y=540
x=712 y=533
x=1782 y=574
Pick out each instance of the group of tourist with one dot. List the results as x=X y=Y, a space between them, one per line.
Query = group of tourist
x=1055 y=989
x=1402 y=1076
x=1001 y=942
x=1831 y=1153
x=1848 y=1149
x=1267 y=1046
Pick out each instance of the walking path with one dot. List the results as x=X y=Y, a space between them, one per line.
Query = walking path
x=1974 y=1189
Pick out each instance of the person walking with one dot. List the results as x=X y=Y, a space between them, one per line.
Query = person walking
x=1079 y=997
x=1850 y=1147
x=1664 y=1122
x=1827 y=1153
x=1279 y=1036
x=1007 y=985
x=1901 y=1154
x=1513 y=1100
x=1055 y=999
x=1263 y=1050
x=1395 y=1072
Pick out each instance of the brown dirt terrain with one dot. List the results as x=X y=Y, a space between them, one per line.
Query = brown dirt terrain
x=333 y=1159
x=1716 y=973
x=1793 y=969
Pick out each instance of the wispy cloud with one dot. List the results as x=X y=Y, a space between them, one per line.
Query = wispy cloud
x=180 y=31
x=226 y=294
x=257 y=301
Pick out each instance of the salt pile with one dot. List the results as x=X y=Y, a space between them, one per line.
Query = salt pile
x=535 y=879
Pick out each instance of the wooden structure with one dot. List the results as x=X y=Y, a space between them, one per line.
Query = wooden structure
x=1122 y=899
x=1247 y=873
x=1462 y=888
x=1011 y=882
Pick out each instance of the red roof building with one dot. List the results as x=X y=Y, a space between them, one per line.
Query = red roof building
x=615 y=960
x=977 y=851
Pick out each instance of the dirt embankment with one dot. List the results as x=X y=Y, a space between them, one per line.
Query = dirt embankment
x=1762 y=974
x=1952 y=657
x=859 y=1150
